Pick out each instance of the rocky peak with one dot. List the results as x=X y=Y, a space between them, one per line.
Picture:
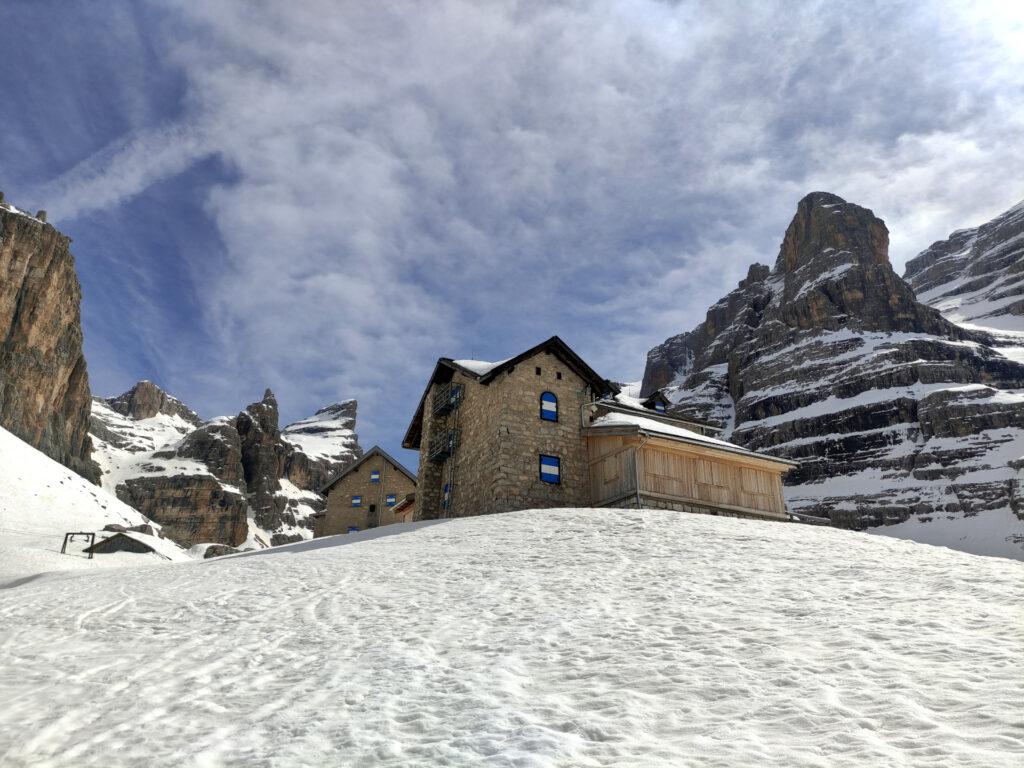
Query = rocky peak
x=44 y=384
x=831 y=360
x=145 y=400
x=825 y=222
x=262 y=416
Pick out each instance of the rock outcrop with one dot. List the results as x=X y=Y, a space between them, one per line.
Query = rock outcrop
x=829 y=359
x=44 y=384
x=229 y=480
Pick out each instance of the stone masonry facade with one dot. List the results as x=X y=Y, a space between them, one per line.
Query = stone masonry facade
x=495 y=466
x=373 y=511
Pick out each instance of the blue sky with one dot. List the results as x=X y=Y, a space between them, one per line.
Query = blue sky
x=324 y=197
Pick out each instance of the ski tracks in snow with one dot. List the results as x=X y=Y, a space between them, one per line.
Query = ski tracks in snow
x=577 y=638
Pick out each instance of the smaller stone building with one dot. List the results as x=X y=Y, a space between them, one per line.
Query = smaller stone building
x=367 y=494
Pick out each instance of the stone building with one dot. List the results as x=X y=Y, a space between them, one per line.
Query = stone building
x=543 y=429
x=369 y=493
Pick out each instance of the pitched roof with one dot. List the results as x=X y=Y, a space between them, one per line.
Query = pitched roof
x=375 y=451
x=485 y=373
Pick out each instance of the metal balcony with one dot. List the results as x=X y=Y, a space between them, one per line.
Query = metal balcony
x=447 y=398
x=444 y=445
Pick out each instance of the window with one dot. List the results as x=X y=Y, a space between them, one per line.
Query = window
x=550 y=469
x=353 y=529
x=537 y=370
x=558 y=375
x=548 y=406
x=357 y=501
x=659 y=407
x=446 y=496
x=374 y=475
x=390 y=499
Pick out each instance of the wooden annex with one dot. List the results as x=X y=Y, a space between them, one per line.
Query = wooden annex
x=635 y=465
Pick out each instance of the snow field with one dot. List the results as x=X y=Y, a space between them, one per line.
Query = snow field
x=538 y=638
x=41 y=500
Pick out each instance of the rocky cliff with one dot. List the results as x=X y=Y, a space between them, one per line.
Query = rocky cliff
x=976 y=276
x=829 y=358
x=237 y=480
x=44 y=385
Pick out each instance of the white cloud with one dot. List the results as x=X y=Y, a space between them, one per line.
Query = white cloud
x=413 y=180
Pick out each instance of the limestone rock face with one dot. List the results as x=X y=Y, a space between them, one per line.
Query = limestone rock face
x=829 y=359
x=976 y=275
x=230 y=480
x=44 y=384
x=192 y=509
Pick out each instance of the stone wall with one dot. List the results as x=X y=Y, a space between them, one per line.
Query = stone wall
x=501 y=439
x=340 y=514
x=650 y=502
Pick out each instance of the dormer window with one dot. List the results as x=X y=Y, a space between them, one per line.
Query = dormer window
x=549 y=406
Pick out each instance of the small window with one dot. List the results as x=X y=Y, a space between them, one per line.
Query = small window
x=659 y=407
x=548 y=406
x=353 y=529
x=558 y=375
x=446 y=496
x=550 y=469
x=390 y=500
x=357 y=501
x=375 y=476
x=537 y=370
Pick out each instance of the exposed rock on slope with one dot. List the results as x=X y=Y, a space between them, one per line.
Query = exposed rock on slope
x=231 y=480
x=44 y=385
x=976 y=276
x=829 y=359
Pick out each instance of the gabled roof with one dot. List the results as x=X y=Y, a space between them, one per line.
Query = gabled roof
x=485 y=373
x=375 y=451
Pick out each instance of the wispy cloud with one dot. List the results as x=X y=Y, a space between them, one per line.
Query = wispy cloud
x=411 y=180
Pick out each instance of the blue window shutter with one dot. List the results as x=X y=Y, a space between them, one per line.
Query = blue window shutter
x=550 y=469
x=659 y=407
x=549 y=406
x=353 y=529
x=390 y=500
x=375 y=476
x=357 y=501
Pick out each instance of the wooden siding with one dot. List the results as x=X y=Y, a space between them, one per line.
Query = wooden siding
x=677 y=471
x=612 y=470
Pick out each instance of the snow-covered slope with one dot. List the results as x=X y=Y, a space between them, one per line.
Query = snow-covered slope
x=328 y=435
x=40 y=501
x=541 y=638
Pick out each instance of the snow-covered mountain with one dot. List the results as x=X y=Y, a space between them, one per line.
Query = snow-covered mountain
x=895 y=413
x=239 y=480
x=538 y=638
x=976 y=276
x=41 y=500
